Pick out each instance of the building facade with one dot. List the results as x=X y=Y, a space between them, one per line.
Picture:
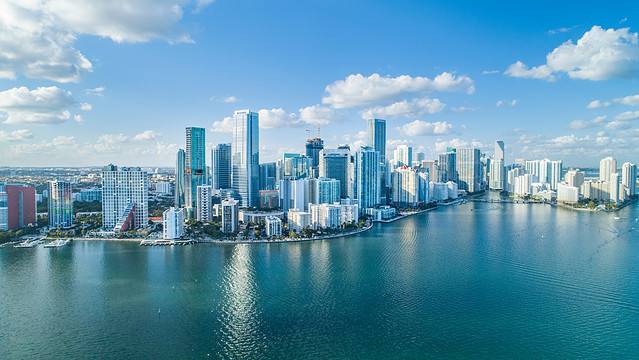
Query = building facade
x=60 y=204
x=221 y=166
x=468 y=167
x=125 y=198
x=172 y=223
x=195 y=166
x=245 y=157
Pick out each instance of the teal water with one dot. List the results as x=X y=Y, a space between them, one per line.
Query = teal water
x=469 y=281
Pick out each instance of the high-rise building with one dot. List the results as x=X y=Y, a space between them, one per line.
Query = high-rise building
x=172 y=223
x=4 y=209
x=403 y=155
x=125 y=198
x=294 y=194
x=180 y=164
x=295 y=166
x=268 y=176
x=60 y=204
x=497 y=175
x=629 y=178
x=313 y=148
x=616 y=192
x=447 y=167
x=334 y=164
x=230 y=216
x=20 y=206
x=377 y=136
x=431 y=167
x=367 y=177
x=325 y=216
x=245 y=157
x=195 y=166
x=468 y=167
x=574 y=178
x=409 y=186
x=204 y=208
x=500 y=153
x=324 y=191
x=298 y=220
x=221 y=166
x=555 y=168
x=607 y=167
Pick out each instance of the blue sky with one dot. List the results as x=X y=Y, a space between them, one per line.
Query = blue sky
x=85 y=84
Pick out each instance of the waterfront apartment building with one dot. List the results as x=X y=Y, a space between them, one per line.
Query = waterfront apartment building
x=245 y=157
x=204 y=208
x=377 y=136
x=325 y=216
x=298 y=220
x=334 y=164
x=574 y=178
x=221 y=166
x=17 y=206
x=367 y=184
x=607 y=167
x=629 y=178
x=172 y=223
x=273 y=226
x=468 y=167
x=294 y=194
x=447 y=167
x=195 y=166
x=125 y=198
x=410 y=187
x=60 y=204
x=180 y=163
x=567 y=193
x=4 y=209
x=230 y=219
x=324 y=191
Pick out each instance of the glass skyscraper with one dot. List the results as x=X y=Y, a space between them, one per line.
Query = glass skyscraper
x=377 y=136
x=447 y=167
x=60 y=204
x=245 y=157
x=334 y=165
x=469 y=169
x=195 y=165
x=179 y=178
x=367 y=177
x=221 y=166
x=313 y=148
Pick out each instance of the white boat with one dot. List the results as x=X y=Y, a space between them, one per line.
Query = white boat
x=29 y=243
x=56 y=243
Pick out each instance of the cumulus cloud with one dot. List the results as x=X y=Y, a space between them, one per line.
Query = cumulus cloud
x=357 y=89
x=316 y=115
x=37 y=38
x=596 y=104
x=631 y=100
x=16 y=135
x=510 y=103
x=63 y=141
x=442 y=145
x=600 y=54
x=146 y=135
x=230 y=100
x=275 y=118
x=43 y=105
x=86 y=107
x=424 y=128
x=97 y=91
x=585 y=124
x=223 y=126
x=415 y=107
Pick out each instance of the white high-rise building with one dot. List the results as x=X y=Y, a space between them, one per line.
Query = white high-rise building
x=173 y=223
x=533 y=167
x=575 y=178
x=468 y=166
x=497 y=174
x=125 y=198
x=294 y=194
x=500 y=153
x=4 y=208
x=409 y=186
x=616 y=191
x=629 y=178
x=298 y=220
x=403 y=155
x=230 y=209
x=245 y=157
x=273 y=226
x=325 y=216
x=555 y=167
x=523 y=184
x=204 y=207
x=60 y=204
x=567 y=193
x=607 y=167
x=349 y=213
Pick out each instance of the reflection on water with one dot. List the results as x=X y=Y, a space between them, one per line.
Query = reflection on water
x=475 y=280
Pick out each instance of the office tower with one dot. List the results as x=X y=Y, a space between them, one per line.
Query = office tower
x=629 y=179
x=324 y=191
x=245 y=157
x=403 y=155
x=268 y=176
x=269 y=199
x=172 y=223
x=468 y=167
x=221 y=166
x=607 y=167
x=500 y=153
x=273 y=226
x=447 y=167
x=180 y=164
x=616 y=193
x=295 y=166
x=4 y=209
x=195 y=166
x=367 y=177
x=313 y=148
x=497 y=174
x=574 y=178
x=204 y=208
x=60 y=204
x=20 y=209
x=229 y=216
x=334 y=164
x=294 y=194
x=377 y=136
x=125 y=198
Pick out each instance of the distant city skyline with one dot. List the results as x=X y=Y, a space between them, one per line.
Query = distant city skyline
x=121 y=89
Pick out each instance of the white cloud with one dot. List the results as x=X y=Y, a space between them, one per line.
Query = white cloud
x=16 y=135
x=316 y=115
x=357 y=89
x=503 y=103
x=627 y=116
x=596 y=104
x=600 y=54
x=86 y=107
x=37 y=38
x=146 y=135
x=405 y=108
x=631 y=100
x=230 y=100
x=98 y=91
x=43 y=105
x=490 y=72
x=223 y=126
x=585 y=124
x=464 y=109
x=275 y=118
x=424 y=128
x=442 y=145
x=63 y=141
x=561 y=30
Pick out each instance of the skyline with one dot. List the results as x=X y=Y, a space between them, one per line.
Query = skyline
x=440 y=76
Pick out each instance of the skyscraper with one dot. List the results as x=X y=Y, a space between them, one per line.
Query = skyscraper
x=324 y=191
x=60 y=204
x=172 y=223
x=403 y=155
x=499 y=151
x=4 y=209
x=447 y=167
x=221 y=166
x=245 y=157
x=607 y=167
x=468 y=169
x=195 y=165
x=125 y=198
x=377 y=136
x=268 y=176
x=229 y=216
x=367 y=177
x=204 y=209
x=313 y=148
x=334 y=165
x=20 y=206
x=629 y=178
x=179 y=178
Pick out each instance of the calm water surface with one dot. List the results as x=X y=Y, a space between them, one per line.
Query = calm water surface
x=475 y=280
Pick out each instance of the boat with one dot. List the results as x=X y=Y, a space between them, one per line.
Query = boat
x=29 y=243
x=56 y=243
x=617 y=218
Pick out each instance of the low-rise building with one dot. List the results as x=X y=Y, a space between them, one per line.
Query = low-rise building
x=298 y=220
x=567 y=194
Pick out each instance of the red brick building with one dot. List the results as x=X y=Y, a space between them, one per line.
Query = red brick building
x=21 y=203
